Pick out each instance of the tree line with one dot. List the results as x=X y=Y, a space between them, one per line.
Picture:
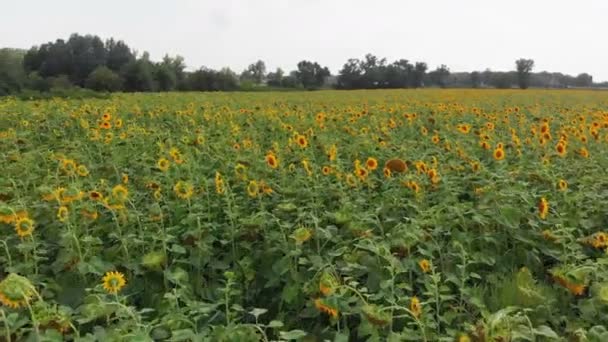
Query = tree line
x=86 y=61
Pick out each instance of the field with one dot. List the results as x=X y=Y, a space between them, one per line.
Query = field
x=422 y=215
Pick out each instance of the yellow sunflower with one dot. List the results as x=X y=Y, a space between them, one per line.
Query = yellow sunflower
x=113 y=282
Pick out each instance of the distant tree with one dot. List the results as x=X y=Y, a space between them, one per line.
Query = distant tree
x=275 y=79
x=118 y=55
x=12 y=74
x=227 y=80
x=584 y=80
x=255 y=73
x=440 y=75
x=291 y=80
x=350 y=75
x=419 y=71
x=476 y=79
x=311 y=75
x=104 y=79
x=138 y=75
x=524 y=68
x=398 y=74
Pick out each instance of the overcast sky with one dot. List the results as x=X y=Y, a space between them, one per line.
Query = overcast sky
x=560 y=35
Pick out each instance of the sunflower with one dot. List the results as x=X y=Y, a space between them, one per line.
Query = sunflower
x=387 y=172
x=499 y=154
x=183 y=190
x=351 y=180
x=543 y=208
x=120 y=193
x=396 y=165
x=63 y=213
x=413 y=186
x=415 y=307
x=272 y=160
x=95 y=196
x=16 y=291
x=327 y=284
x=583 y=152
x=326 y=170
x=301 y=141
x=241 y=171
x=24 y=227
x=306 y=166
x=464 y=128
x=105 y=125
x=90 y=214
x=561 y=149
x=82 y=171
x=253 y=189
x=125 y=178
x=219 y=183
x=118 y=123
x=435 y=139
x=332 y=153
x=302 y=235
x=425 y=265
x=475 y=166
x=371 y=164
x=68 y=166
x=485 y=145
x=106 y=117
x=562 y=185
x=361 y=173
x=324 y=307
x=113 y=282
x=163 y=164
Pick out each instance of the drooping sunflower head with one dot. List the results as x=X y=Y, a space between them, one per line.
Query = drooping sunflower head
x=63 y=213
x=16 y=291
x=113 y=282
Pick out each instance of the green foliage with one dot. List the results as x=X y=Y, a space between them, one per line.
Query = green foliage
x=104 y=79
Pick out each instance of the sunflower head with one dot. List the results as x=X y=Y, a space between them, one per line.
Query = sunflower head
x=24 y=227
x=15 y=291
x=113 y=282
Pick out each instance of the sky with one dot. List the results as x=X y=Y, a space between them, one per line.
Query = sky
x=466 y=35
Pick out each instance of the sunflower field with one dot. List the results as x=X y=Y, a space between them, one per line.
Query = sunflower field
x=397 y=215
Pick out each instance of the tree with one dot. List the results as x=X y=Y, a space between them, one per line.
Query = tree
x=311 y=75
x=584 y=80
x=440 y=75
x=350 y=75
x=418 y=74
x=476 y=79
x=398 y=74
x=12 y=74
x=118 y=55
x=255 y=73
x=104 y=79
x=524 y=68
x=275 y=79
x=138 y=75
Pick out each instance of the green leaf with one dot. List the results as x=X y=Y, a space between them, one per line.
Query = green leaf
x=293 y=334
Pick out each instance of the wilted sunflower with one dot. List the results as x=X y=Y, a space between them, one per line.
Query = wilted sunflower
x=324 y=307
x=16 y=291
x=302 y=235
x=113 y=282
